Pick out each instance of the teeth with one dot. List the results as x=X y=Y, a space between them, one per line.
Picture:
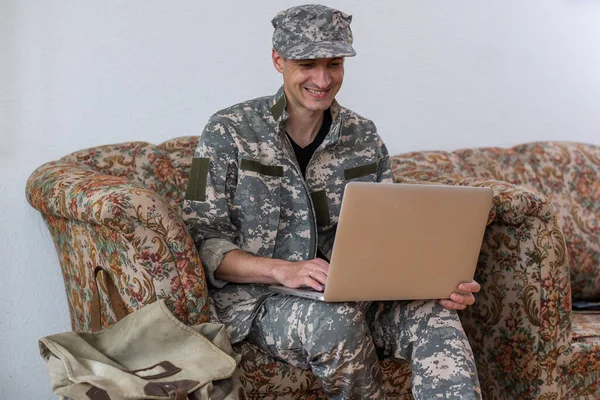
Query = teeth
x=315 y=92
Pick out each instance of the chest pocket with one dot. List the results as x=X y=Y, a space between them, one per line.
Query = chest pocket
x=367 y=173
x=257 y=202
x=327 y=203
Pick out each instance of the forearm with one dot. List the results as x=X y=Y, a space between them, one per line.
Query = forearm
x=241 y=267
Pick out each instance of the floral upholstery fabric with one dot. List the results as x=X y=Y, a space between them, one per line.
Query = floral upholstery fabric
x=567 y=174
x=586 y=327
x=266 y=378
x=118 y=206
x=137 y=162
x=107 y=206
x=542 y=242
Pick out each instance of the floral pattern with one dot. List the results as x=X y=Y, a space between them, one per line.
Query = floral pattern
x=541 y=243
x=123 y=222
x=567 y=174
x=586 y=327
x=118 y=206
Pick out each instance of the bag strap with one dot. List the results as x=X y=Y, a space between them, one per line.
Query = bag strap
x=114 y=299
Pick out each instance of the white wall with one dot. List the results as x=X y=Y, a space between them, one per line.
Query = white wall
x=432 y=74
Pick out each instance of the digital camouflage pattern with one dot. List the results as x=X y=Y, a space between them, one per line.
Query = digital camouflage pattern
x=312 y=31
x=249 y=193
x=246 y=191
x=342 y=344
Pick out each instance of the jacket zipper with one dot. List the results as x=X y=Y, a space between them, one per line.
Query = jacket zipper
x=320 y=148
x=312 y=251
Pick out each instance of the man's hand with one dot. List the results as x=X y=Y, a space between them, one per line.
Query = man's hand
x=311 y=273
x=241 y=267
x=459 y=301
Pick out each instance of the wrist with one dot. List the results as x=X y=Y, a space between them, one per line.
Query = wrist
x=276 y=270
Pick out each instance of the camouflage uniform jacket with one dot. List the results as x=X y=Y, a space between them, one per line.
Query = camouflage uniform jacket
x=246 y=191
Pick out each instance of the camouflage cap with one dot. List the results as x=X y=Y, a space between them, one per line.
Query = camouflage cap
x=312 y=31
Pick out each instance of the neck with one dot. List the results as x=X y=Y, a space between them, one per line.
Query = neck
x=303 y=125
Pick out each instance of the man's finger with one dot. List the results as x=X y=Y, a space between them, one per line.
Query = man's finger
x=472 y=287
x=319 y=276
x=457 y=298
x=310 y=282
x=470 y=300
x=467 y=299
x=321 y=264
x=312 y=270
x=451 y=305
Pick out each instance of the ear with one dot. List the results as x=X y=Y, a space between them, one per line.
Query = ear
x=277 y=61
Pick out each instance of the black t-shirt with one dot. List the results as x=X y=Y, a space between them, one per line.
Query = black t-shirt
x=303 y=155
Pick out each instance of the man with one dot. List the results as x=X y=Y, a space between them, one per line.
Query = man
x=262 y=205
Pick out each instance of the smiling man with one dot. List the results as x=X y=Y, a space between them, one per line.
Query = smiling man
x=262 y=205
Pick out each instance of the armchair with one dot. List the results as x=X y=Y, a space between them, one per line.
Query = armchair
x=119 y=206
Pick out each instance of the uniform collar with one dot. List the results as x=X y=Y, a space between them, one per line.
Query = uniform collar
x=280 y=115
x=278 y=103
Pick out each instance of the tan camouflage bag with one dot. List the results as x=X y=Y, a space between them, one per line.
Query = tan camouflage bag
x=149 y=354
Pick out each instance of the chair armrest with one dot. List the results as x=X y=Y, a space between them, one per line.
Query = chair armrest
x=512 y=204
x=76 y=192
x=519 y=327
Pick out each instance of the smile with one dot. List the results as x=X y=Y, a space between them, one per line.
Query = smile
x=317 y=93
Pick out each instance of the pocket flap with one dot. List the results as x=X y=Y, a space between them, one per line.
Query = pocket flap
x=196 y=188
x=319 y=199
x=255 y=166
x=362 y=170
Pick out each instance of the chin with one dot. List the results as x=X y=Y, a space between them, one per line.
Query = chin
x=318 y=106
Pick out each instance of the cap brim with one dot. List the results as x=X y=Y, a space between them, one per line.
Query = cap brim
x=311 y=51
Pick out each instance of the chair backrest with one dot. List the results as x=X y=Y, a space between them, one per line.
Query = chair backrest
x=568 y=174
x=162 y=168
x=180 y=152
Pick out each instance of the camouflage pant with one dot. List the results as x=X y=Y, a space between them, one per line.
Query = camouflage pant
x=342 y=342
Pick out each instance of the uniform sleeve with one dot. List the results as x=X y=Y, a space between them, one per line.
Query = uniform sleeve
x=384 y=170
x=207 y=204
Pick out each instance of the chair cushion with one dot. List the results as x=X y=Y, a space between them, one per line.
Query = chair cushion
x=264 y=377
x=585 y=327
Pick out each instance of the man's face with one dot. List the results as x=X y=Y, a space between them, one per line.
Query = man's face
x=310 y=84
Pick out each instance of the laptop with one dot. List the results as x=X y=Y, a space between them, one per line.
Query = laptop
x=403 y=242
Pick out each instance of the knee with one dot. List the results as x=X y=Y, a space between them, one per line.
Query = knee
x=431 y=310
x=431 y=314
x=336 y=325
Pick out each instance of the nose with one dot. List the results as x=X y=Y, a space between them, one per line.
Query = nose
x=322 y=77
